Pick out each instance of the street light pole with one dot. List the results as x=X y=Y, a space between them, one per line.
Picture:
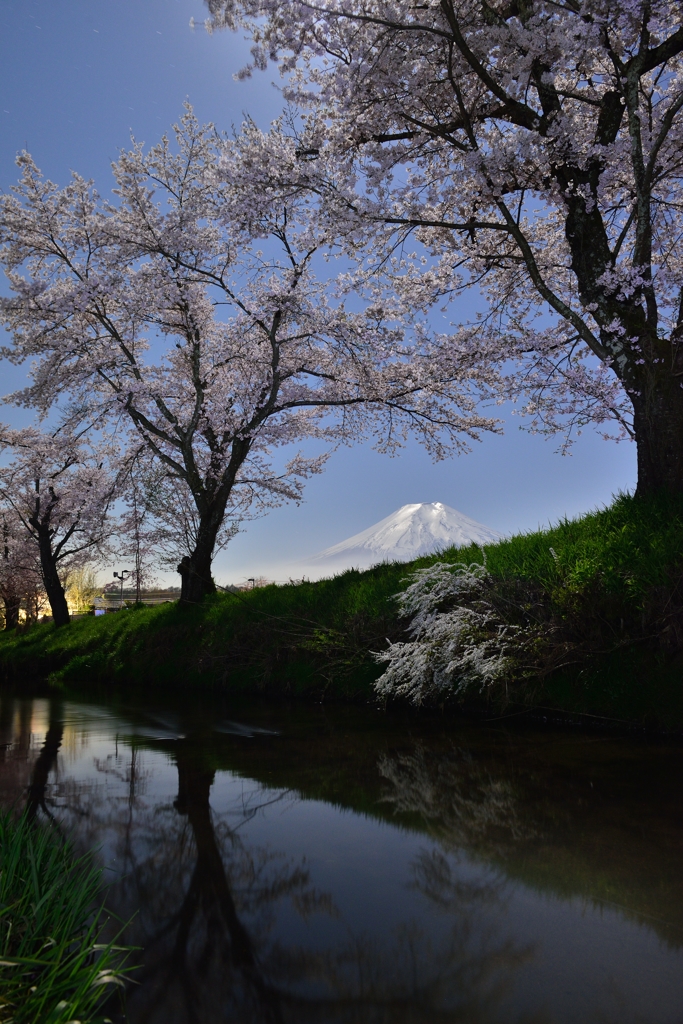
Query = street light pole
x=121 y=576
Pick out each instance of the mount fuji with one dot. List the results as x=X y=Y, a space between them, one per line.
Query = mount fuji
x=410 y=532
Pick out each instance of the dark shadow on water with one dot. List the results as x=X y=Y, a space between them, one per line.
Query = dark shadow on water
x=46 y=762
x=213 y=951
x=195 y=810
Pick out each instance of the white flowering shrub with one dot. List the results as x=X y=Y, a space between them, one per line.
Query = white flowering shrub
x=459 y=639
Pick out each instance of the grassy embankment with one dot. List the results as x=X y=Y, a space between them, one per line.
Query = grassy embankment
x=52 y=968
x=606 y=588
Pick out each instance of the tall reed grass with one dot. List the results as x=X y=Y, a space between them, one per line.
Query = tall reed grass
x=53 y=968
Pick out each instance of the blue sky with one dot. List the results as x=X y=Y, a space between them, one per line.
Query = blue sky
x=76 y=78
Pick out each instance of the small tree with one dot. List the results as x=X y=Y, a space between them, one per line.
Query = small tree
x=60 y=491
x=138 y=533
x=190 y=311
x=81 y=586
x=176 y=522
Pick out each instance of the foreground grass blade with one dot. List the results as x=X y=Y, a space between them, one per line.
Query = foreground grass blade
x=53 y=969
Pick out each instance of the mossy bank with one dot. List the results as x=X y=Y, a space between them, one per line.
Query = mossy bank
x=606 y=588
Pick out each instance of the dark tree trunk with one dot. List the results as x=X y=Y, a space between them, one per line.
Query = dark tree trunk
x=658 y=422
x=47 y=759
x=214 y=892
x=12 y=604
x=51 y=581
x=649 y=366
x=195 y=569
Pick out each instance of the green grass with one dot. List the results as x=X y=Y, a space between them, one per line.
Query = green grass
x=608 y=583
x=625 y=551
x=52 y=968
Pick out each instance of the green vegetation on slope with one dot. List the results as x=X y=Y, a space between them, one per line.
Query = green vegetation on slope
x=52 y=968
x=608 y=585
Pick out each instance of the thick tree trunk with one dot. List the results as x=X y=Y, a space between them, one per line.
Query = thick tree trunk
x=195 y=569
x=51 y=581
x=12 y=604
x=658 y=422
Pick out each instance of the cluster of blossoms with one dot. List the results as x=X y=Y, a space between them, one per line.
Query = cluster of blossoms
x=459 y=639
x=185 y=318
x=532 y=151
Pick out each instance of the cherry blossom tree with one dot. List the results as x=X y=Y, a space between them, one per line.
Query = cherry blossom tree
x=532 y=148
x=19 y=571
x=188 y=311
x=174 y=523
x=59 y=491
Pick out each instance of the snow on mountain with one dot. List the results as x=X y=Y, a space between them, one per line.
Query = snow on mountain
x=412 y=531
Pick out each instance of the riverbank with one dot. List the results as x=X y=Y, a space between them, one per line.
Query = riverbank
x=604 y=591
x=52 y=967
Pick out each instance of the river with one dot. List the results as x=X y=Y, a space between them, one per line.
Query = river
x=336 y=864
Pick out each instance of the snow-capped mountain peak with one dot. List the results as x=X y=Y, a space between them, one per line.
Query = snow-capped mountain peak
x=410 y=532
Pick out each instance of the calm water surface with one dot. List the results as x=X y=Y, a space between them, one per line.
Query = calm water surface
x=338 y=865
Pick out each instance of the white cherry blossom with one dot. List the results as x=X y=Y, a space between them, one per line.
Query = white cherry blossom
x=533 y=150
x=187 y=313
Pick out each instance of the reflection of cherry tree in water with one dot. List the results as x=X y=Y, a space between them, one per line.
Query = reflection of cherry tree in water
x=24 y=776
x=208 y=925
x=36 y=796
x=462 y=802
x=185 y=876
x=15 y=761
x=201 y=961
x=215 y=916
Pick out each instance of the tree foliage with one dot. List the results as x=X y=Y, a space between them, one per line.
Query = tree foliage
x=188 y=311
x=57 y=492
x=533 y=149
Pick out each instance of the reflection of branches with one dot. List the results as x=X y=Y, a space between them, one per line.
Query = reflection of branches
x=434 y=875
x=231 y=932
x=221 y=885
x=464 y=803
x=414 y=979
